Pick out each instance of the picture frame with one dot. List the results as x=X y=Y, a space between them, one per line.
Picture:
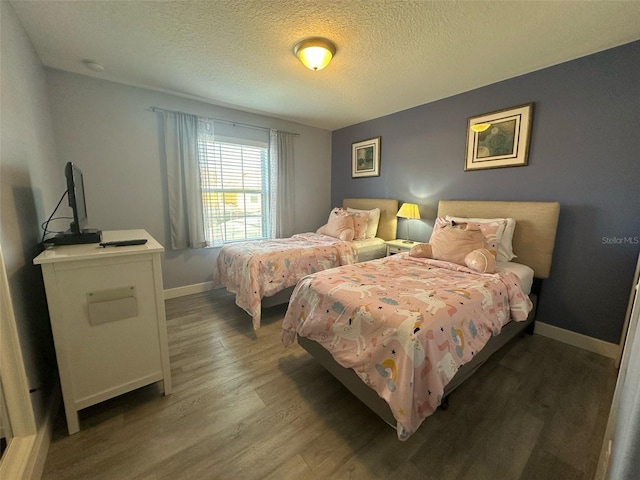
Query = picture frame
x=365 y=158
x=499 y=139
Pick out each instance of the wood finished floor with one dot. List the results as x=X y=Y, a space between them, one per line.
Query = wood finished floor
x=244 y=407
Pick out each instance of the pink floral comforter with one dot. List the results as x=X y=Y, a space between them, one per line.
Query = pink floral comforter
x=261 y=268
x=404 y=324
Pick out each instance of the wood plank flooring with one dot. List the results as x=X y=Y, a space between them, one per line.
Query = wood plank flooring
x=245 y=407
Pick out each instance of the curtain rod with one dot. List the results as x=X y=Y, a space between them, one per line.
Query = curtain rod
x=228 y=122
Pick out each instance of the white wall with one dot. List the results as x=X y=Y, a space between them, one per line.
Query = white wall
x=109 y=130
x=29 y=188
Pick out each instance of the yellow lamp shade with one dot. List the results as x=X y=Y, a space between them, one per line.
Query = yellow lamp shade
x=315 y=53
x=409 y=210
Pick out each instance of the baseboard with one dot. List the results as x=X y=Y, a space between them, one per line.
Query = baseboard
x=186 y=290
x=595 y=345
x=25 y=456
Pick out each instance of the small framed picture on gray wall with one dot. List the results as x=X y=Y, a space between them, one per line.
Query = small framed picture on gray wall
x=365 y=158
x=499 y=139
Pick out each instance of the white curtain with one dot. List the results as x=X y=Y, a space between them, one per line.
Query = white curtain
x=183 y=179
x=282 y=184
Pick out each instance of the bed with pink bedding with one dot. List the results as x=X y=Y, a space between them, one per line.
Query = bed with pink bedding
x=263 y=272
x=404 y=324
x=262 y=268
x=401 y=332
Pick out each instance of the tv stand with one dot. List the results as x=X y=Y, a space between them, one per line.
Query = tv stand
x=87 y=235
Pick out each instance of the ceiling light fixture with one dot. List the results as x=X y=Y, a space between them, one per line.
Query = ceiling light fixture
x=91 y=65
x=315 y=53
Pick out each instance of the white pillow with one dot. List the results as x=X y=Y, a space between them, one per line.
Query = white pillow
x=505 y=242
x=372 y=223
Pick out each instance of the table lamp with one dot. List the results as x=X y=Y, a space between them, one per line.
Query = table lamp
x=410 y=212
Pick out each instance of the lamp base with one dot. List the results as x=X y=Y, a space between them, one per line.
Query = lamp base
x=408 y=241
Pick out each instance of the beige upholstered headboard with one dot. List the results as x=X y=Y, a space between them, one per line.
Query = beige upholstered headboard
x=535 y=233
x=388 y=225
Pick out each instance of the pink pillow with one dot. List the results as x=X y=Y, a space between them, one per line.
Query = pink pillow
x=505 y=236
x=360 y=221
x=481 y=260
x=374 y=220
x=490 y=230
x=453 y=243
x=339 y=225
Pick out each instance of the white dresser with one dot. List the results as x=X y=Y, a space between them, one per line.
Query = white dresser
x=106 y=307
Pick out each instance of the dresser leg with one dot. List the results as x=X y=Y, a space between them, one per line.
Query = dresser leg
x=73 y=423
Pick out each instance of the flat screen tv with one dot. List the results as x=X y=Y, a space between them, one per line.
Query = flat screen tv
x=78 y=231
x=75 y=194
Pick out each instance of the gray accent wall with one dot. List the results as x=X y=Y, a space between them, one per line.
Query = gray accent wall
x=584 y=153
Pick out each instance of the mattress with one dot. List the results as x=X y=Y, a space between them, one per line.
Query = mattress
x=524 y=273
x=370 y=249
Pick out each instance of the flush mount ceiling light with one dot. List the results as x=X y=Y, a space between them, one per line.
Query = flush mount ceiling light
x=315 y=53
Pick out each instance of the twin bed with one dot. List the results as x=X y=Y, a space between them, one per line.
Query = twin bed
x=263 y=273
x=402 y=332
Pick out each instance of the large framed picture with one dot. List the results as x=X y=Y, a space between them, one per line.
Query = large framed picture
x=499 y=139
x=365 y=158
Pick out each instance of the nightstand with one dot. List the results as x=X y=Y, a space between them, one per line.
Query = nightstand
x=399 y=246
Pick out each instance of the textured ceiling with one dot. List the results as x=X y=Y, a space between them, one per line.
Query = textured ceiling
x=392 y=55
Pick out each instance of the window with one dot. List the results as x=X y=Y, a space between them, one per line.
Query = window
x=235 y=187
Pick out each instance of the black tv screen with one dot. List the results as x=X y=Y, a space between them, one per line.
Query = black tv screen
x=75 y=193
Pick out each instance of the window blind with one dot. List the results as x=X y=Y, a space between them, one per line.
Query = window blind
x=235 y=188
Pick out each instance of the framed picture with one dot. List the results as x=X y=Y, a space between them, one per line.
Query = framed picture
x=365 y=158
x=499 y=139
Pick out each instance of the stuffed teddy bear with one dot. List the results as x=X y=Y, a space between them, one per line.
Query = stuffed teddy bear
x=481 y=260
x=462 y=244
x=340 y=225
